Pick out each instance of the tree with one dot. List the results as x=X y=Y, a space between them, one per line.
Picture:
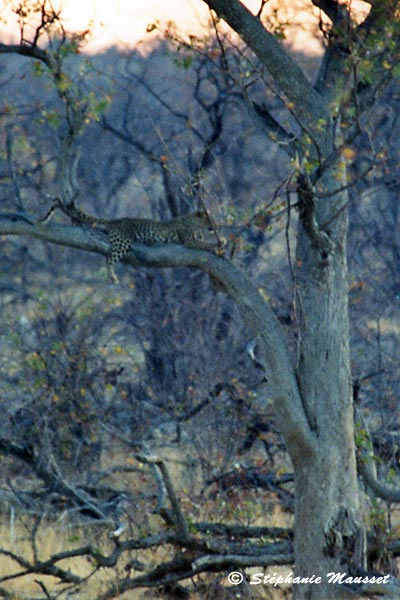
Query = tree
x=313 y=399
x=329 y=529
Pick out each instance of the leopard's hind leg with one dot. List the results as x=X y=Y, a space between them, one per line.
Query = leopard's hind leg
x=120 y=246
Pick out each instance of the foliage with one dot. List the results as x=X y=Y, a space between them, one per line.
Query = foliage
x=158 y=385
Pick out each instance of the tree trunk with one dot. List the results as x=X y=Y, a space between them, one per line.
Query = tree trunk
x=328 y=534
x=313 y=410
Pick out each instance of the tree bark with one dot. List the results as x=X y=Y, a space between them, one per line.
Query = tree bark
x=329 y=536
x=313 y=402
x=288 y=75
x=314 y=408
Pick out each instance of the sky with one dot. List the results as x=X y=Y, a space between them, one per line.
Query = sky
x=124 y=22
x=121 y=22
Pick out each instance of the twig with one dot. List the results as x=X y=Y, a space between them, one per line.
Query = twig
x=263 y=3
x=43 y=588
x=180 y=521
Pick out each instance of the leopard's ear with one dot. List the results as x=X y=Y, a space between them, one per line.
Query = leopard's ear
x=208 y=220
x=203 y=215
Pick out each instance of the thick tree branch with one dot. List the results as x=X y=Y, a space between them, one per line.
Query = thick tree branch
x=365 y=464
x=349 y=47
x=180 y=568
x=336 y=12
x=256 y=313
x=309 y=106
x=28 y=50
x=366 y=461
x=274 y=130
x=75 y=104
x=210 y=562
x=306 y=205
x=242 y=531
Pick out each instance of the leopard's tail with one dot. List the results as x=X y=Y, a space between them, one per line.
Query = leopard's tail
x=71 y=211
x=56 y=204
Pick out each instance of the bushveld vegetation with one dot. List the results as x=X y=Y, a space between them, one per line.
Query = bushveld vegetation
x=212 y=413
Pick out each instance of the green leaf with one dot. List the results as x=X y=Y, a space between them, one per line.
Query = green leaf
x=396 y=71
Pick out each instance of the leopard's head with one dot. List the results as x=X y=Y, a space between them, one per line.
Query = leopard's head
x=198 y=219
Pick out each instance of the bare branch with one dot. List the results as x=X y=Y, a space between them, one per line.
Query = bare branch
x=366 y=461
x=43 y=588
x=11 y=166
x=308 y=104
x=365 y=464
x=243 y=531
x=274 y=129
x=46 y=568
x=180 y=521
x=260 y=10
x=74 y=105
x=255 y=311
x=28 y=50
x=206 y=563
x=337 y=13
x=306 y=205
x=182 y=567
x=53 y=478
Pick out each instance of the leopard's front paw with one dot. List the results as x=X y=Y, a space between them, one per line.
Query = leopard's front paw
x=221 y=247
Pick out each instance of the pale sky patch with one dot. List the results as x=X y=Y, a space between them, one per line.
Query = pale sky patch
x=123 y=23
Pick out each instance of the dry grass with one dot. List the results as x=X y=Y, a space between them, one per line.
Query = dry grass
x=53 y=538
x=49 y=540
x=61 y=535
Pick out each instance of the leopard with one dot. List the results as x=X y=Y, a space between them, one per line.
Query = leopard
x=186 y=230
